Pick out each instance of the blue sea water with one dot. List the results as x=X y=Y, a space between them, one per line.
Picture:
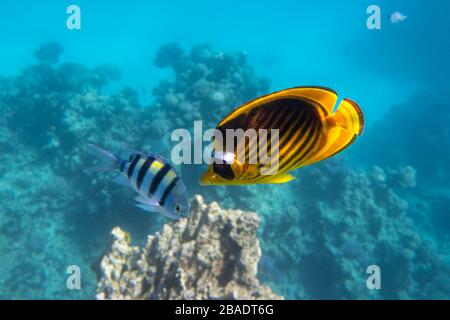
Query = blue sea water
x=398 y=75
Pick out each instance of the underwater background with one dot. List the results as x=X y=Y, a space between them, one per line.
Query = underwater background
x=136 y=71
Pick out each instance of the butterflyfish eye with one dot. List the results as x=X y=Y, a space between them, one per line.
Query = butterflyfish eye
x=224 y=170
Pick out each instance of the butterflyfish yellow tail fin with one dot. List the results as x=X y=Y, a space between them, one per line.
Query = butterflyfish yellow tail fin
x=342 y=128
x=348 y=116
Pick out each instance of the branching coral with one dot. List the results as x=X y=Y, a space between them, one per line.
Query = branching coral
x=207 y=84
x=211 y=255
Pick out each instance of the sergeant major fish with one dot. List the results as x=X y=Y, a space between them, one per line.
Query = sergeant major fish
x=159 y=186
x=308 y=127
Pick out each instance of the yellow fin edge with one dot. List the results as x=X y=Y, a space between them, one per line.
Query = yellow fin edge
x=278 y=178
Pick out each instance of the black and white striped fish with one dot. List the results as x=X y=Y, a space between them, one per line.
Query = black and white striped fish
x=158 y=184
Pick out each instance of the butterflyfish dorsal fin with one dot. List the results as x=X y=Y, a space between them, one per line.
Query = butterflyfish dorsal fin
x=324 y=98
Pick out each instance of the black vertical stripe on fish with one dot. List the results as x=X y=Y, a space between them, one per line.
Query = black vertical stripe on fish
x=143 y=170
x=309 y=152
x=289 y=146
x=305 y=131
x=294 y=105
x=305 y=145
x=158 y=178
x=280 y=118
x=278 y=124
x=254 y=123
x=255 y=118
x=308 y=145
x=132 y=166
x=286 y=155
x=314 y=145
x=248 y=142
x=299 y=109
x=281 y=127
x=294 y=129
x=281 y=114
x=122 y=165
x=271 y=116
x=290 y=131
x=168 y=190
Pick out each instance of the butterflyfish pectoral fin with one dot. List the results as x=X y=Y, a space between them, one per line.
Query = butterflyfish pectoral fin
x=342 y=128
x=278 y=178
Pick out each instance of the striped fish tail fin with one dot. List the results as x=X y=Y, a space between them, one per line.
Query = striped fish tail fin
x=108 y=160
x=348 y=116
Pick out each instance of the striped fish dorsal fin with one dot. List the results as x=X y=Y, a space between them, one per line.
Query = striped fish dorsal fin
x=133 y=152
x=325 y=98
x=344 y=126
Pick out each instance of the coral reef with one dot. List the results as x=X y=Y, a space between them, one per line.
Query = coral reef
x=211 y=255
x=49 y=112
x=416 y=133
x=338 y=222
x=318 y=233
x=51 y=213
x=207 y=85
x=37 y=243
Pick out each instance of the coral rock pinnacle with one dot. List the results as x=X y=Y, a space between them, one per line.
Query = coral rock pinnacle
x=211 y=255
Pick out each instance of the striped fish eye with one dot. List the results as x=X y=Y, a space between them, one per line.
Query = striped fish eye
x=178 y=208
x=224 y=170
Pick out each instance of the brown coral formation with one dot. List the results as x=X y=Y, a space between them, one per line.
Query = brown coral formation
x=211 y=255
